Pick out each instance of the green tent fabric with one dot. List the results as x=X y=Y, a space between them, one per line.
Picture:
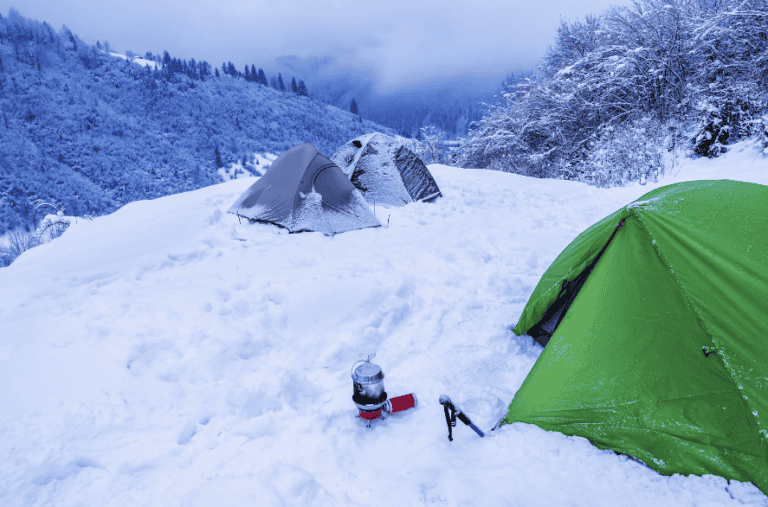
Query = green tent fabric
x=660 y=350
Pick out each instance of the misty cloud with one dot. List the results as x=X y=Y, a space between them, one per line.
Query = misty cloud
x=392 y=43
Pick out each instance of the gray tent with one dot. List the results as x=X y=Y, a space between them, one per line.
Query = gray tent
x=304 y=191
x=386 y=171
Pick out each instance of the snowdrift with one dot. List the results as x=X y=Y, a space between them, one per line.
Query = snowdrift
x=168 y=355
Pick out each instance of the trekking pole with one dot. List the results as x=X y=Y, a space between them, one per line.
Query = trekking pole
x=451 y=412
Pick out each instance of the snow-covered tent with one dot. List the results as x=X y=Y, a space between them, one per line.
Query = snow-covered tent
x=658 y=317
x=304 y=191
x=386 y=171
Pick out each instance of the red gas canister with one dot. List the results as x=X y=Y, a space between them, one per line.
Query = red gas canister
x=400 y=403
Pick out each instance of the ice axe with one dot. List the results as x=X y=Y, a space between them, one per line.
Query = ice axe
x=451 y=412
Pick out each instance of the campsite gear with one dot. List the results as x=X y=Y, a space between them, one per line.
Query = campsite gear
x=400 y=403
x=386 y=171
x=451 y=412
x=369 y=395
x=626 y=311
x=368 y=383
x=304 y=191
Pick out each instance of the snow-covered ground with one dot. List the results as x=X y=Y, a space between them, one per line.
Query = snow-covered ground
x=137 y=59
x=168 y=355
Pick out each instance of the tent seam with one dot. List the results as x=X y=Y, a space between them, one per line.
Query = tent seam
x=559 y=285
x=589 y=264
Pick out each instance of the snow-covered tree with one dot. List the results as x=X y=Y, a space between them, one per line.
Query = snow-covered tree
x=689 y=69
x=430 y=146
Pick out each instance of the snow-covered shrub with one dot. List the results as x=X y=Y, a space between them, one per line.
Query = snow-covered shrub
x=18 y=243
x=431 y=146
x=724 y=125
x=762 y=133
x=51 y=227
x=6 y=258
x=630 y=152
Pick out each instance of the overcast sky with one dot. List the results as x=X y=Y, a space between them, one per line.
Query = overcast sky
x=398 y=42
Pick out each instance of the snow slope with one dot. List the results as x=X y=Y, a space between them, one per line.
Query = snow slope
x=139 y=60
x=168 y=355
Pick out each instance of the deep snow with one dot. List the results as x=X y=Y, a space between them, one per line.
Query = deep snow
x=168 y=355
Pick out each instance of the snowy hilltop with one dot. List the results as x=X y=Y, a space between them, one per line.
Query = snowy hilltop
x=171 y=354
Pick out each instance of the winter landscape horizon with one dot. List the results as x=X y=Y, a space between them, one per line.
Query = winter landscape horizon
x=158 y=350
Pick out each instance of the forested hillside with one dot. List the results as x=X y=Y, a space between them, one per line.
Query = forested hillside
x=90 y=131
x=618 y=91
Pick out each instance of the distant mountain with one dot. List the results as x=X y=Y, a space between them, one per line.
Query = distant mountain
x=450 y=103
x=92 y=131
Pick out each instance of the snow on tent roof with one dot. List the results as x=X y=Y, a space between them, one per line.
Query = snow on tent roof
x=658 y=316
x=386 y=171
x=304 y=191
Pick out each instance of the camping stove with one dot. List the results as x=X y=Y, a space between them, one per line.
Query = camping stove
x=369 y=395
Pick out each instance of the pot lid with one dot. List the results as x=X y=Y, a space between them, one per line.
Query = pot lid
x=368 y=373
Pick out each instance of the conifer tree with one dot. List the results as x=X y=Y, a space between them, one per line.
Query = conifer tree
x=280 y=82
x=216 y=72
x=353 y=106
x=302 y=89
x=247 y=74
x=293 y=85
x=262 y=77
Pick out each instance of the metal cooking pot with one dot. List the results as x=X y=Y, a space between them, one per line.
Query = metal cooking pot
x=368 y=382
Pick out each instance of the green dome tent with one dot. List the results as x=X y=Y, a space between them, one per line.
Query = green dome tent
x=658 y=318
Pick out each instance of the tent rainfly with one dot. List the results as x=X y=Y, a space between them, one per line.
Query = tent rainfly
x=386 y=171
x=655 y=321
x=304 y=191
